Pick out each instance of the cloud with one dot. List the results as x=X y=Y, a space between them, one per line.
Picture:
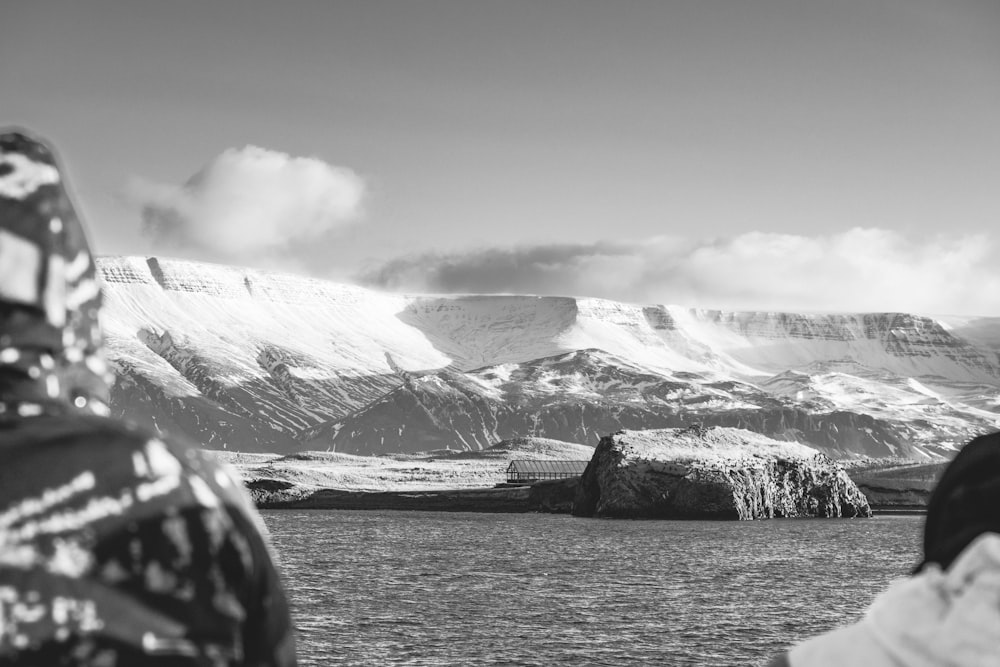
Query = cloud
x=856 y=270
x=249 y=205
x=557 y=268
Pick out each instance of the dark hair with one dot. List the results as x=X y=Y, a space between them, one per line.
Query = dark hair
x=965 y=503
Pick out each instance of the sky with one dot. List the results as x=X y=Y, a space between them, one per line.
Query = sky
x=820 y=155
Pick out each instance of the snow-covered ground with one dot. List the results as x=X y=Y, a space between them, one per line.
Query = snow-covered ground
x=715 y=446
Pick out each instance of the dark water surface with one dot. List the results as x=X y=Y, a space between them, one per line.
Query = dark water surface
x=420 y=588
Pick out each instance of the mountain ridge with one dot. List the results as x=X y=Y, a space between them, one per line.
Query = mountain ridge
x=264 y=361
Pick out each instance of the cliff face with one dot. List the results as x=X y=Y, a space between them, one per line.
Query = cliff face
x=715 y=473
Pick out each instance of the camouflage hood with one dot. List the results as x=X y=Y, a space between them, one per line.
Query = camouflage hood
x=51 y=356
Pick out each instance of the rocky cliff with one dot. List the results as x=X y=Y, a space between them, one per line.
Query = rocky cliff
x=715 y=473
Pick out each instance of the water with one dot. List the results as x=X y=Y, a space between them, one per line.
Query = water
x=420 y=588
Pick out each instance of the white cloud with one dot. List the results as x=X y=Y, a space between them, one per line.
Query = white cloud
x=250 y=205
x=856 y=270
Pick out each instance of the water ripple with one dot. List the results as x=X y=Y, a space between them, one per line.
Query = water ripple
x=416 y=588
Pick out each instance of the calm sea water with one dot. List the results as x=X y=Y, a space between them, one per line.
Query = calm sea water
x=416 y=588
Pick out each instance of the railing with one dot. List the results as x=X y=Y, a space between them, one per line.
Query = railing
x=537 y=476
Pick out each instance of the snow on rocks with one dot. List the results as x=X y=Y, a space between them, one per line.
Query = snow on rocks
x=715 y=473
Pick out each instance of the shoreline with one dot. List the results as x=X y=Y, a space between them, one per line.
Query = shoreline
x=548 y=497
x=331 y=482
x=552 y=497
x=883 y=510
x=446 y=500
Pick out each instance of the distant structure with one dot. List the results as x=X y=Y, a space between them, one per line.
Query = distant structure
x=525 y=472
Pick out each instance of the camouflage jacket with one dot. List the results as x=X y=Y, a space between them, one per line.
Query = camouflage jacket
x=119 y=548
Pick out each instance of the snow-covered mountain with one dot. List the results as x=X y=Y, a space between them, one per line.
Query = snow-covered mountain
x=259 y=361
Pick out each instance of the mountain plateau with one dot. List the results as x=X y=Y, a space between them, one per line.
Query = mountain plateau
x=257 y=361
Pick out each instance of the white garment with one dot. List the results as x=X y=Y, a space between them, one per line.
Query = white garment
x=934 y=618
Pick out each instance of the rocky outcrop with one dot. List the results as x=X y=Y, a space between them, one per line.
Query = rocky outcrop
x=715 y=473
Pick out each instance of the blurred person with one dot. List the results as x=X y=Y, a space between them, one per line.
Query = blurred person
x=118 y=547
x=948 y=611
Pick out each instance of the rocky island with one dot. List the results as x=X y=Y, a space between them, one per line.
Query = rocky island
x=690 y=473
x=713 y=473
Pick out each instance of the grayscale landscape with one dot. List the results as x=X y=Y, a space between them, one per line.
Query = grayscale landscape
x=403 y=264
x=249 y=361
x=266 y=362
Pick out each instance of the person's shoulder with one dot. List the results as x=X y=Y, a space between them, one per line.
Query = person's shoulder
x=82 y=431
x=209 y=479
x=123 y=453
x=111 y=436
x=779 y=661
x=54 y=445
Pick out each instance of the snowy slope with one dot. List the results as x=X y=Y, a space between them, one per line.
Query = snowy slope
x=262 y=361
x=484 y=330
x=277 y=353
x=583 y=395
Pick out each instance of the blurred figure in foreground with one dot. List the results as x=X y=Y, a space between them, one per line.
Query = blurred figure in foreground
x=948 y=612
x=117 y=547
